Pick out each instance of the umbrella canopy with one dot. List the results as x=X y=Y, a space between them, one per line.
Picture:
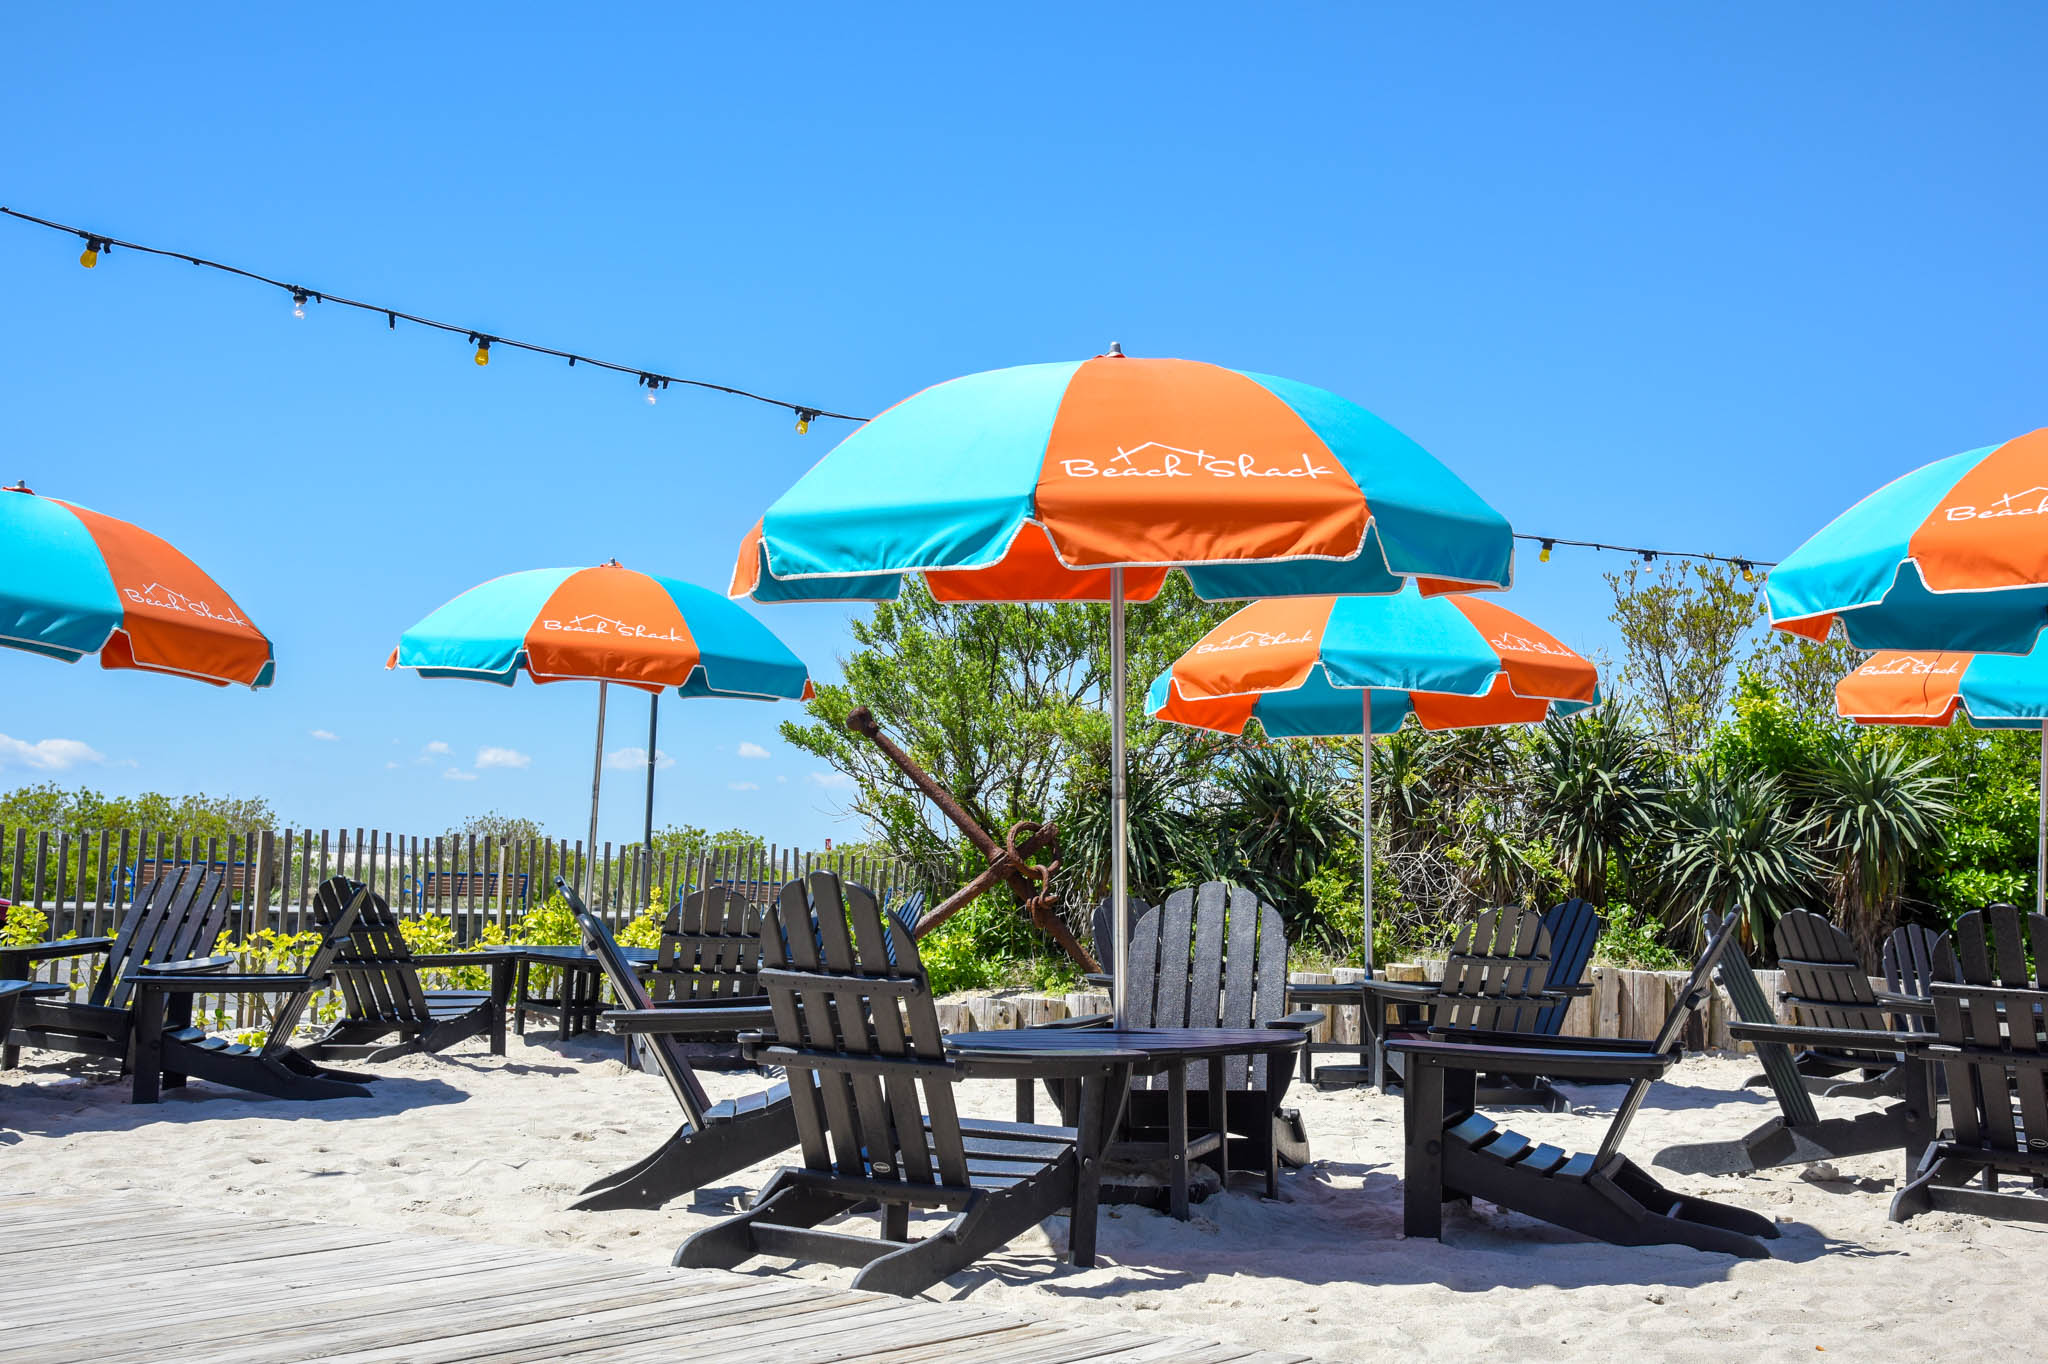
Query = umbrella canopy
x=1363 y=665
x=1994 y=691
x=75 y=582
x=1311 y=665
x=1951 y=556
x=1089 y=481
x=605 y=624
x=1028 y=484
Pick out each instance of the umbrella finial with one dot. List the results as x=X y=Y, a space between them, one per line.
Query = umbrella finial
x=20 y=487
x=1116 y=348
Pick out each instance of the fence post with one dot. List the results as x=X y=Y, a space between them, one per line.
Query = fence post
x=257 y=905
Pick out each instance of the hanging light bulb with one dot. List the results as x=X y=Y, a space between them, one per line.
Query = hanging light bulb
x=299 y=303
x=1748 y=570
x=483 y=350
x=1543 y=555
x=91 y=255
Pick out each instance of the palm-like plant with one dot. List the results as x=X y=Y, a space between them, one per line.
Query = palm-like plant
x=1596 y=784
x=1732 y=841
x=1279 y=820
x=1875 y=810
x=1169 y=841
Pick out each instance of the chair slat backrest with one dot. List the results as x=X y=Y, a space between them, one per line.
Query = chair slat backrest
x=853 y=1007
x=1994 y=1104
x=710 y=948
x=2000 y=945
x=1824 y=981
x=1915 y=957
x=1495 y=973
x=1211 y=957
x=374 y=969
x=1690 y=996
x=1574 y=929
x=1752 y=1005
x=338 y=905
x=1107 y=953
x=177 y=916
x=668 y=1054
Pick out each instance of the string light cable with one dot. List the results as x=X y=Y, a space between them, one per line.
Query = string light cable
x=653 y=383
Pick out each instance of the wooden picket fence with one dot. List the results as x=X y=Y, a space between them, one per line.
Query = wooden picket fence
x=84 y=881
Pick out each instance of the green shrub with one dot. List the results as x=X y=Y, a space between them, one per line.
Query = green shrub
x=1634 y=940
x=25 y=924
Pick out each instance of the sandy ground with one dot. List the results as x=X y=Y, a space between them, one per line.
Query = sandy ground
x=494 y=1148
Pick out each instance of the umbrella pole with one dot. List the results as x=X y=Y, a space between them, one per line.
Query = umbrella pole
x=1365 y=830
x=1119 y=867
x=2040 y=842
x=596 y=779
x=653 y=719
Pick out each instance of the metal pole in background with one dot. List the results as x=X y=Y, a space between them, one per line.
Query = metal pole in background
x=596 y=780
x=2041 y=838
x=1119 y=813
x=653 y=719
x=1365 y=828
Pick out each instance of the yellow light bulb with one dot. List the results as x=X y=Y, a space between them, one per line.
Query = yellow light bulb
x=89 y=257
x=483 y=353
x=803 y=423
x=1543 y=555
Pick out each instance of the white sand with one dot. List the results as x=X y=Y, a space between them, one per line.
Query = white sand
x=490 y=1148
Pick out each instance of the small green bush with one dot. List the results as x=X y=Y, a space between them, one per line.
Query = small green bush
x=1633 y=940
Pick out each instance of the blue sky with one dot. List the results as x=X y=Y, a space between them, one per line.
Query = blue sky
x=1692 y=277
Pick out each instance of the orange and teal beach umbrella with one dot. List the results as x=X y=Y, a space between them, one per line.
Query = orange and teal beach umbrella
x=75 y=582
x=1091 y=480
x=1329 y=666
x=1989 y=691
x=605 y=624
x=1951 y=556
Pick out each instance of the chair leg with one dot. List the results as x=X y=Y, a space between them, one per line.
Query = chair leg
x=690 y=1159
x=1422 y=1180
x=149 y=1046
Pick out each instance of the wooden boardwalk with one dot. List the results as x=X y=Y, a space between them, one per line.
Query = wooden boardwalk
x=123 y=1279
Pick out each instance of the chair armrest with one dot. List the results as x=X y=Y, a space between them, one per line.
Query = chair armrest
x=192 y=966
x=1490 y=1037
x=1102 y=979
x=2002 y=1056
x=1299 y=1020
x=1585 y=1063
x=192 y=983
x=1912 y=1005
x=1845 y=1039
x=30 y=953
x=669 y=1022
x=1400 y=991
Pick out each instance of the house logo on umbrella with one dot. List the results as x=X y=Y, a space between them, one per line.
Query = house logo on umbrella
x=170 y=599
x=1156 y=459
x=593 y=623
x=2031 y=502
x=1910 y=665
x=1254 y=639
x=1512 y=643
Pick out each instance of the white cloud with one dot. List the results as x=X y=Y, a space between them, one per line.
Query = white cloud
x=48 y=755
x=630 y=759
x=437 y=746
x=502 y=757
x=779 y=780
x=749 y=749
x=743 y=786
x=325 y=736
x=457 y=774
x=831 y=781
x=389 y=766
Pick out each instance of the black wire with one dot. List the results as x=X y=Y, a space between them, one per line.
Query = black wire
x=393 y=315
x=652 y=379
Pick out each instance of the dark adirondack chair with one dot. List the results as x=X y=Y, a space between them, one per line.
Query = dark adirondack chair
x=1991 y=1040
x=1102 y=925
x=1212 y=957
x=1496 y=979
x=1456 y=1152
x=168 y=1048
x=379 y=979
x=855 y=1026
x=715 y=1139
x=1798 y=1134
x=177 y=917
x=710 y=952
x=1915 y=957
x=1827 y=988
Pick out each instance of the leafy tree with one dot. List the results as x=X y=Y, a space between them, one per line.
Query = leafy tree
x=1682 y=629
x=1278 y=819
x=1876 y=810
x=1730 y=839
x=1597 y=783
